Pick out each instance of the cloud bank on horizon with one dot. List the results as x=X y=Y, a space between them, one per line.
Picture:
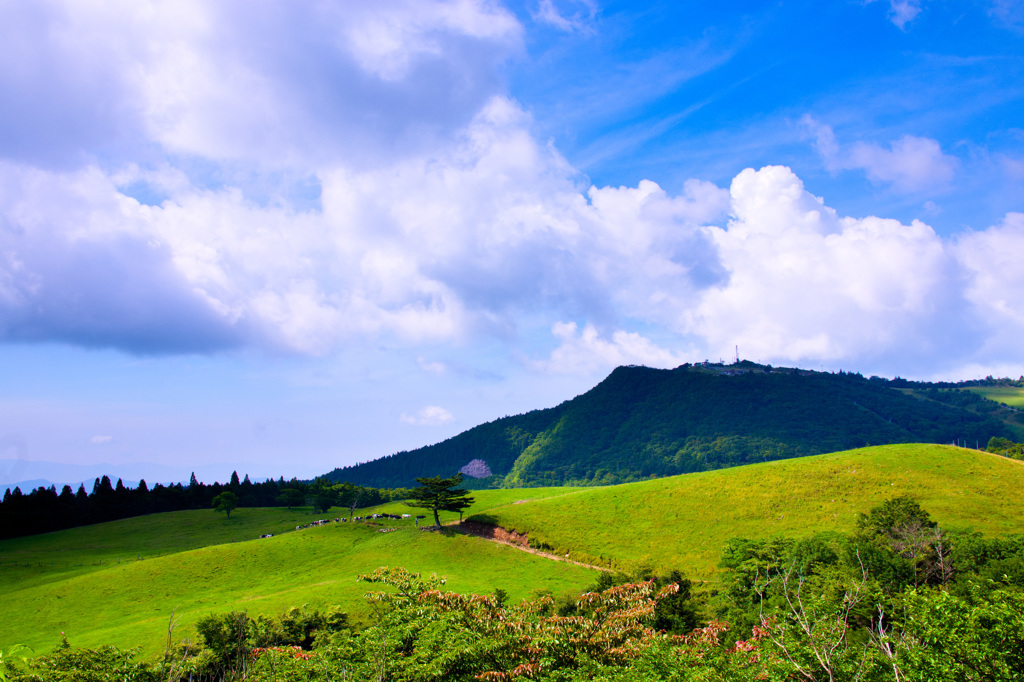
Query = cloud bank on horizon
x=558 y=180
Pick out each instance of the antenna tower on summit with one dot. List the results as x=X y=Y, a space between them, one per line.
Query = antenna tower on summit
x=737 y=355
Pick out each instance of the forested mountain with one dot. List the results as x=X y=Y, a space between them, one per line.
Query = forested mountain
x=640 y=423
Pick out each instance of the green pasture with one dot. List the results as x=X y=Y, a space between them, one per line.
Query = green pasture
x=1011 y=395
x=117 y=583
x=129 y=604
x=483 y=501
x=684 y=521
x=38 y=559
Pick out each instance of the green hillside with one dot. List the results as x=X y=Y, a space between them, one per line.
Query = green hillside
x=641 y=423
x=684 y=521
x=199 y=562
x=1008 y=395
x=71 y=581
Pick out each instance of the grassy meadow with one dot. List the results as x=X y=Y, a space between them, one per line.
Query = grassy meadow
x=117 y=583
x=684 y=521
x=95 y=600
x=1012 y=396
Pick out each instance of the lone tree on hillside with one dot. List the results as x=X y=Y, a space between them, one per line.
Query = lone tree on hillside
x=225 y=502
x=438 y=493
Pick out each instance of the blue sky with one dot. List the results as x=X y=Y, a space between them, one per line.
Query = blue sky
x=285 y=237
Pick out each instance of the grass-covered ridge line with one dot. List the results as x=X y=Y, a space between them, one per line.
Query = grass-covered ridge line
x=128 y=604
x=684 y=521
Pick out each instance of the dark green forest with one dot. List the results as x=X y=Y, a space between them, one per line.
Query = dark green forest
x=641 y=423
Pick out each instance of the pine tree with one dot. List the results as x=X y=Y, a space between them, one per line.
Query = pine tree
x=438 y=493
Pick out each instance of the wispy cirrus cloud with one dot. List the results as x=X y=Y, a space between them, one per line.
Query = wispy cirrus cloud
x=580 y=18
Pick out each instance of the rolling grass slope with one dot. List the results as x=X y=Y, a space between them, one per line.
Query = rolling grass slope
x=38 y=559
x=684 y=521
x=1011 y=395
x=129 y=604
x=199 y=562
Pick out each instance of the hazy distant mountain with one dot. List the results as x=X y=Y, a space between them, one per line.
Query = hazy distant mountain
x=30 y=474
x=640 y=423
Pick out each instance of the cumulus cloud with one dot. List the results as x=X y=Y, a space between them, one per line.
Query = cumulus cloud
x=438 y=218
x=101 y=440
x=806 y=283
x=75 y=267
x=909 y=164
x=431 y=248
x=431 y=415
x=991 y=259
x=227 y=81
x=584 y=352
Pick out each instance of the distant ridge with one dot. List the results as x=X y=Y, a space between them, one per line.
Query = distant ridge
x=642 y=423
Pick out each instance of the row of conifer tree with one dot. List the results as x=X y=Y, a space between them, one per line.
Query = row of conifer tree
x=44 y=509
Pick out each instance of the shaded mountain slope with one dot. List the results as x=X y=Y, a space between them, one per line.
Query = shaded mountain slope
x=640 y=423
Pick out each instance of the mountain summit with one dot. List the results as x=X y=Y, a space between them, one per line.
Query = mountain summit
x=642 y=423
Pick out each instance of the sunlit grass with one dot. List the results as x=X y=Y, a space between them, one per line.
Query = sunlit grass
x=129 y=604
x=684 y=521
x=199 y=562
x=1011 y=395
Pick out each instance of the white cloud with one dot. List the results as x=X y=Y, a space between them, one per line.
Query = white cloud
x=228 y=81
x=548 y=13
x=991 y=259
x=909 y=164
x=431 y=415
x=807 y=284
x=902 y=12
x=585 y=352
x=101 y=440
x=432 y=366
x=439 y=217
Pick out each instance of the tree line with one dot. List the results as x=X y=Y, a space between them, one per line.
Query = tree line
x=44 y=509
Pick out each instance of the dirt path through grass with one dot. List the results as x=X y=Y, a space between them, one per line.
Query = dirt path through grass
x=514 y=540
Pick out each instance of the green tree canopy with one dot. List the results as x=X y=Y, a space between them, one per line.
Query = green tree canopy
x=438 y=494
x=890 y=516
x=291 y=497
x=227 y=501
